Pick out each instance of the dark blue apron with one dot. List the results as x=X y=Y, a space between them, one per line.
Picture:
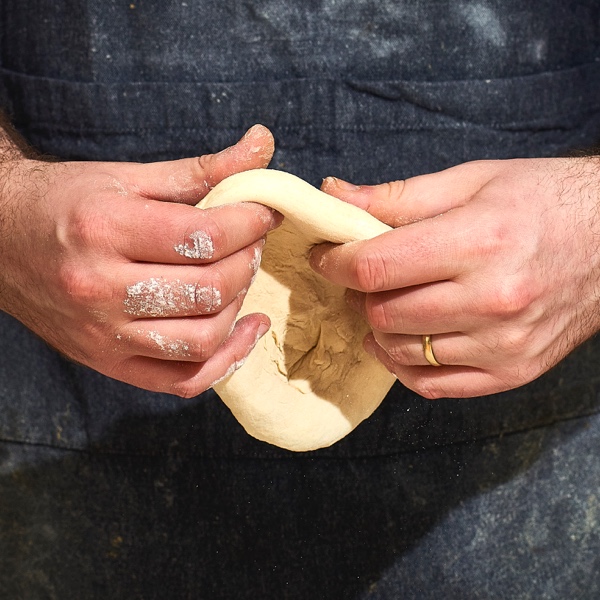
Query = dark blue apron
x=107 y=491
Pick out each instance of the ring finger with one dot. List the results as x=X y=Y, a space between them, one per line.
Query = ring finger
x=446 y=349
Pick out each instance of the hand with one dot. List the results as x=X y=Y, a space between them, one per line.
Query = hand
x=110 y=264
x=499 y=261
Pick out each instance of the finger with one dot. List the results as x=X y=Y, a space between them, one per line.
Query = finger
x=453 y=382
x=187 y=235
x=431 y=250
x=398 y=203
x=487 y=375
x=171 y=291
x=451 y=349
x=483 y=342
x=439 y=382
x=436 y=308
x=189 y=179
x=188 y=379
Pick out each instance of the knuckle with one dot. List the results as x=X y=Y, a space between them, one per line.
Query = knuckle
x=370 y=271
x=493 y=235
x=204 y=343
x=380 y=317
x=400 y=354
x=394 y=189
x=203 y=171
x=509 y=299
x=88 y=228
x=516 y=341
x=198 y=242
x=82 y=287
x=211 y=233
x=208 y=297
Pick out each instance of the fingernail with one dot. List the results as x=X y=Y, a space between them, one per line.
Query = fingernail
x=328 y=182
x=261 y=143
x=262 y=329
x=342 y=185
x=316 y=259
x=276 y=219
x=253 y=130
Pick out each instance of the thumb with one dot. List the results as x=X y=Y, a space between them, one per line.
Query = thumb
x=401 y=202
x=189 y=179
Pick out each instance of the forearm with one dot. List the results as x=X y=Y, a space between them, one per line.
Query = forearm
x=13 y=151
x=15 y=154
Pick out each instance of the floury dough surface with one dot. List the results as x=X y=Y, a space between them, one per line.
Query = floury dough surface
x=308 y=382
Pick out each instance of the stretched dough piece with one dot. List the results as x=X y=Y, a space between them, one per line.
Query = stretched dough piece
x=308 y=383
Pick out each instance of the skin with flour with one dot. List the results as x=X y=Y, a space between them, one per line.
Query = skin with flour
x=309 y=382
x=111 y=264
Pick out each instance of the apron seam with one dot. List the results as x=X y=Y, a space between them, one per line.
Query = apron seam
x=313 y=455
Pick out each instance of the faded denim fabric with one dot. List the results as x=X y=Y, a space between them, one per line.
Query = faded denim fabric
x=107 y=491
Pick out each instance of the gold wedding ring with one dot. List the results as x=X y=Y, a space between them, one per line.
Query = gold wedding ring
x=428 y=352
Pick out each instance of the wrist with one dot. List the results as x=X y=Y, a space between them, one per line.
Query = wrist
x=14 y=157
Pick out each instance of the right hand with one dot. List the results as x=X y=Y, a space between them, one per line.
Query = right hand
x=110 y=265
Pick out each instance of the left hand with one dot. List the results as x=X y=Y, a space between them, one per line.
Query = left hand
x=499 y=261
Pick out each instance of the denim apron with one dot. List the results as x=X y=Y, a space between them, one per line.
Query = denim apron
x=107 y=491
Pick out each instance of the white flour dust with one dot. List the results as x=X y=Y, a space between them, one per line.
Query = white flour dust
x=238 y=364
x=173 y=348
x=255 y=264
x=208 y=297
x=202 y=246
x=158 y=297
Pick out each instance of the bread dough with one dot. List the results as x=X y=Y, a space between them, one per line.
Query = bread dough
x=308 y=382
